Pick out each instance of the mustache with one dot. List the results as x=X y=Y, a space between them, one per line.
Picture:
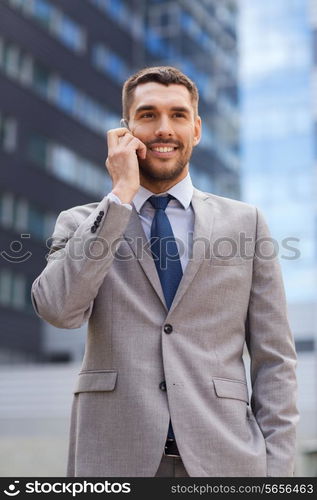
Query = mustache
x=163 y=141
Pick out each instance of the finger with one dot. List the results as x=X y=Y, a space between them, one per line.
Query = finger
x=125 y=140
x=131 y=142
x=139 y=147
x=142 y=150
x=114 y=134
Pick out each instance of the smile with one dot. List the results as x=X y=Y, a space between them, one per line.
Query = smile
x=163 y=150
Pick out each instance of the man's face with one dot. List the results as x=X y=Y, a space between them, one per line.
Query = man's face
x=163 y=118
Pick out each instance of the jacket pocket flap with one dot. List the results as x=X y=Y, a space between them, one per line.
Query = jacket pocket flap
x=218 y=260
x=235 y=389
x=96 y=381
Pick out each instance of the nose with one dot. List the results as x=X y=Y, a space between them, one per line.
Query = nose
x=164 y=128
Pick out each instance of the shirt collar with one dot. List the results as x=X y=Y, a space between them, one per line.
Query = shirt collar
x=182 y=191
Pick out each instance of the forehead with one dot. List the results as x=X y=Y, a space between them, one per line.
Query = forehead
x=159 y=95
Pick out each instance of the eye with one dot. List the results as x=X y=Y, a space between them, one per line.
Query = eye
x=147 y=115
x=179 y=115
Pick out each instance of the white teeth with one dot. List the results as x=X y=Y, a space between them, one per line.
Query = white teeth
x=163 y=150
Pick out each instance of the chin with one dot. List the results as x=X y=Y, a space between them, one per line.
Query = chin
x=163 y=172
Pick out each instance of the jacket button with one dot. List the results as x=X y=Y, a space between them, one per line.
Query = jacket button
x=101 y=213
x=96 y=223
x=98 y=218
x=93 y=229
x=168 y=328
x=163 y=386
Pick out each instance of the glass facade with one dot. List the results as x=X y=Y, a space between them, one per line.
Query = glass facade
x=69 y=167
x=61 y=72
x=279 y=175
x=48 y=84
x=110 y=63
x=54 y=20
x=278 y=143
x=123 y=14
x=14 y=291
x=200 y=39
x=22 y=216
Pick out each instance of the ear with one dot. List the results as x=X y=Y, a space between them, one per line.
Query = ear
x=197 y=130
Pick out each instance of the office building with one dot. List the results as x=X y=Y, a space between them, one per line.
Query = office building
x=278 y=157
x=62 y=65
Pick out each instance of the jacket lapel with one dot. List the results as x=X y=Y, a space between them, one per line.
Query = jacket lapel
x=136 y=238
x=134 y=234
x=204 y=218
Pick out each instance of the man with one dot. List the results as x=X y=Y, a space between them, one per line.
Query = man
x=174 y=283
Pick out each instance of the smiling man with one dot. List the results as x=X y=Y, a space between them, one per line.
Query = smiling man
x=165 y=119
x=171 y=298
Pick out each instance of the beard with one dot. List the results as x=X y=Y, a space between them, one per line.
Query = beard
x=153 y=173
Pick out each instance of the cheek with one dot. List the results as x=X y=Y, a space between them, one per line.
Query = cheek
x=188 y=135
x=141 y=131
x=188 y=141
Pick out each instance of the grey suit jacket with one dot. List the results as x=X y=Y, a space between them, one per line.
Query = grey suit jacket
x=120 y=415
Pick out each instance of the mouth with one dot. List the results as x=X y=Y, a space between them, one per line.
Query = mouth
x=163 y=151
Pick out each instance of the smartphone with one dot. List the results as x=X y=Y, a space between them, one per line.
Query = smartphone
x=124 y=123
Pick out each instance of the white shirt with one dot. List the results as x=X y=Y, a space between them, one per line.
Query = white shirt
x=179 y=212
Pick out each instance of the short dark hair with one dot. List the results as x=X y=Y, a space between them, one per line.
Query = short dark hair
x=165 y=75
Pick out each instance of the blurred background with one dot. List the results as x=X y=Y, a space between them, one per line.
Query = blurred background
x=62 y=65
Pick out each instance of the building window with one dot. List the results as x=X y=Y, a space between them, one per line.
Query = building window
x=43 y=12
x=77 y=171
x=22 y=216
x=68 y=166
x=14 y=291
x=37 y=150
x=36 y=222
x=66 y=96
x=155 y=44
x=68 y=32
x=5 y=286
x=305 y=345
x=57 y=90
x=18 y=291
x=53 y=19
x=6 y=209
x=26 y=70
x=11 y=60
x=115 y=7
x=122 y=13
x=41 y=80
x=167 y=20
x=8 y=133
x=110 y=63
x=16 y=3
x=49 y=224
x=63 y=164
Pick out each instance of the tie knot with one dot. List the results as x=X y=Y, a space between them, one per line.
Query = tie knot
x=160 y=201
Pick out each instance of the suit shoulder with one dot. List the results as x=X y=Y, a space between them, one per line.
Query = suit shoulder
x=231 y=213
x=230 y=204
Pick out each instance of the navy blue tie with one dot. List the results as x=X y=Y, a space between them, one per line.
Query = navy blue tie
x=165 y=255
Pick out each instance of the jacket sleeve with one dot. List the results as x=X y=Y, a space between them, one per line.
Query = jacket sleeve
x=78 y=261
x=273 y=358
